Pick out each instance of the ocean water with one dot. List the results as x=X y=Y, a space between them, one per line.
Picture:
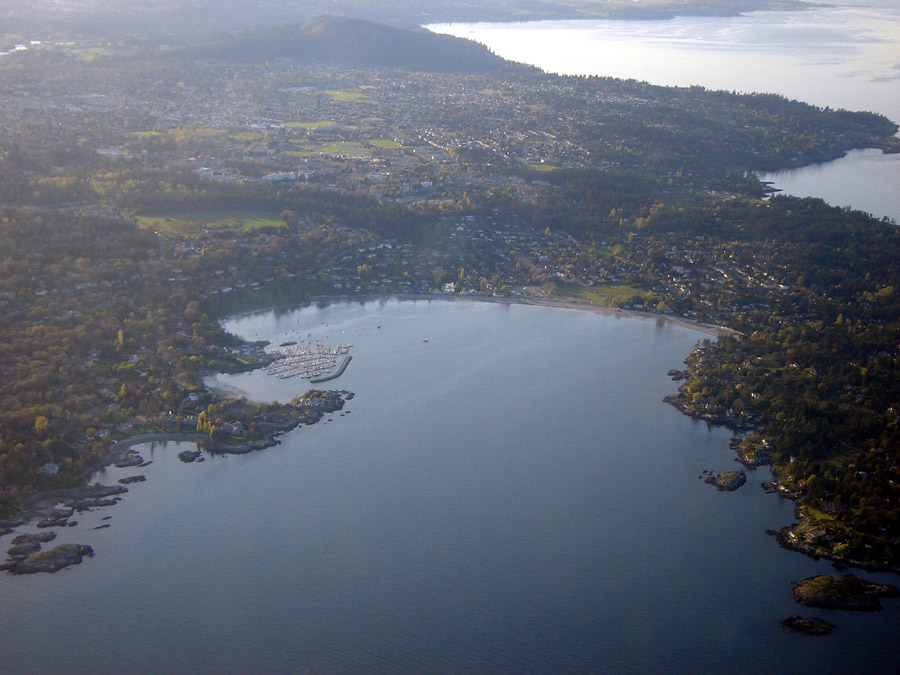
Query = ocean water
x=510 y=496
x=831 y=56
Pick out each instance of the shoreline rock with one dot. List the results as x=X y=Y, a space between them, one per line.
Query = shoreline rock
x=188 y=456
x=57 y=558
x=43 y=507
x=56 y=507
x=814 y=626
x=848 y=592
x=716 y=420
x=128 y=460
x=314 y=404
x=728 y=481
x=788 y=540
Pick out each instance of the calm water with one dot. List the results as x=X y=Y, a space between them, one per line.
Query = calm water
x=865 y=179
x=511 y=496
x=842 y=57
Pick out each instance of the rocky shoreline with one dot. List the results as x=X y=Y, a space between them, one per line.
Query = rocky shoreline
x=717 y=420
x=726 y=482
x=26 y=557
x=57 y=558
x=56 y=508
x=813 y=626
x=847 y=592
x=752 y=452
x=788 y=538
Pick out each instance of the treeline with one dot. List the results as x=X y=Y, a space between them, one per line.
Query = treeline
x=101 y=333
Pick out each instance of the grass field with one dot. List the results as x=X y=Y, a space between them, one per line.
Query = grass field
x=384 y=143
x=186 y=223
x=347 y=95
x=345 y=149
x=308 y=125
x=602 y=295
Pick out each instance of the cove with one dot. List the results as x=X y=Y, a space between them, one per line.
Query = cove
x=510 y=496
x=858 y=180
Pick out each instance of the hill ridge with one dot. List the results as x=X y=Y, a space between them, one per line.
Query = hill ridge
x=357 y=42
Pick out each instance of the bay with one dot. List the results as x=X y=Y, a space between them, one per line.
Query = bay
x=510 y=496
x=830 y=56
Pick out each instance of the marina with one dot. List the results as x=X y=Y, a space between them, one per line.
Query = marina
x=305 y=360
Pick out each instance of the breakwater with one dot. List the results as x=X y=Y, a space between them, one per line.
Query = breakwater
x=336 y=374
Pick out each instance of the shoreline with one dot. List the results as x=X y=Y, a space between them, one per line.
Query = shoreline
x=121 y=454
x=559 y=303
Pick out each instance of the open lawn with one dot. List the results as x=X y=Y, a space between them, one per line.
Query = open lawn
x=344 y=149
x=187 y=223
x=308 y=125
x=602 y=295
x=347 y=95
x=384 y=143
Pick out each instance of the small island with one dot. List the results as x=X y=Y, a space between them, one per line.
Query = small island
x=847 y=592
x=26 y=556
x=815 y=626
x=728 y=481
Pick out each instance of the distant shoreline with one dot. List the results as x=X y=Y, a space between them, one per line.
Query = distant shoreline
x=708 y=328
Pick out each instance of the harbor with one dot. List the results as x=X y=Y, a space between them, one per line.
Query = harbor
x=309 y=361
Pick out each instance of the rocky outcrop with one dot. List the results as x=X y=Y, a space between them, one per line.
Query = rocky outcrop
x=315 y=403
x=686 y=408
x=26 y=544
x=50 y=561
x=847 y=592
x=83 y=505
x=244 y=448
x=188 y=456
x=55 y=518
x=44 y=509
x=814 y=626
x=728 y=481
x=128 y=459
